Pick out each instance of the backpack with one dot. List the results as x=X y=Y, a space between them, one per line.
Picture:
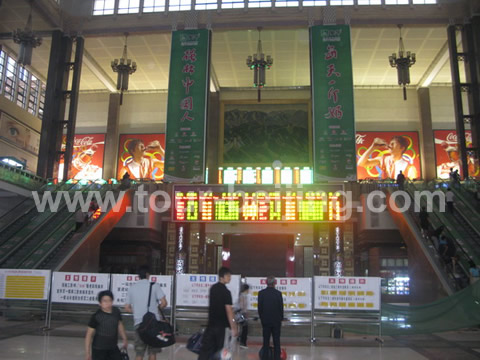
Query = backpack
x=155 y=333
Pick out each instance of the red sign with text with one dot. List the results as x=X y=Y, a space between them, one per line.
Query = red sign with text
x=447 y=155
x=383 y=154
x=87 y=159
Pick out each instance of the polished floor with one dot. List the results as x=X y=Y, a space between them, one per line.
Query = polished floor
x=65 y=342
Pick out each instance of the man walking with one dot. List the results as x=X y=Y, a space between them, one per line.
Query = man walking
x=137 y=302
x=401 y=180
x=270 y=310
x=220 y=316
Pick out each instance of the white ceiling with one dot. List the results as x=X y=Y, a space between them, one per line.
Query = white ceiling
x=289 y=48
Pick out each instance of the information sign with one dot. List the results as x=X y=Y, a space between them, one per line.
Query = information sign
x=297 y=292
x=347 y=293
x=24 y=284
x=78 y=288
x=194 y=289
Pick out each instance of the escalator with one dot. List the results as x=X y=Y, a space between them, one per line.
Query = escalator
x=25 y=221
x=59 y=247
x=418 y=245
x=463 y=225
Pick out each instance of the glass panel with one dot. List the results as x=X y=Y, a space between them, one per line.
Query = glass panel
x=103 y=7
x=153 y=6
x=396 y=2
x=179 y=5
x=259 y=3
x=314 y=2
x=33 y=97
x=10 y=79
x=205 y=4
x=233 y=4
x=2 y=68
x=341 y=2
x=369 y=2
x=23 y=75
x=128 y=6
x=286 y=3
x=41 y=103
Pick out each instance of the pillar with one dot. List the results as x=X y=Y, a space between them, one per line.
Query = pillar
x=427 y=146
x=111 y=137
x=55 y=103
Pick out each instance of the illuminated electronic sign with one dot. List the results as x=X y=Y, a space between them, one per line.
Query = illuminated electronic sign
x=219 y=203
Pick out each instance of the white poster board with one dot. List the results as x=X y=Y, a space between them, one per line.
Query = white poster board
x=122 y=282
x=194 y=289
x=24 y=284
x=347 y=293
x=78 y=288
x=297 y=292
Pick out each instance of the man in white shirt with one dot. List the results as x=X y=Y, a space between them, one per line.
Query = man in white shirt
x=137 y=304
x=449 y=198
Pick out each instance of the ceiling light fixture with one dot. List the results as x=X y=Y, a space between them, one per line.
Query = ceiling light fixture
x=258 y=65
x=124 y=67
x=402 y=63
x=27 y=40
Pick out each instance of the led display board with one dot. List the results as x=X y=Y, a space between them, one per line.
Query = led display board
x=219 y=203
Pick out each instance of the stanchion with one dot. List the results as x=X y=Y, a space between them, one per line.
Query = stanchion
x=48 y=314
x=312 y=325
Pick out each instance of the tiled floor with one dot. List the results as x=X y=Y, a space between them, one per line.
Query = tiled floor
x=20 y=340
x=61 y=348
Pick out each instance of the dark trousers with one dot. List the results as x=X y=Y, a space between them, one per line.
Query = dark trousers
x=274 y=331
x=212 y=342
x=78 y=225
x=111 y=354
x=450 y=206
x=243 y=336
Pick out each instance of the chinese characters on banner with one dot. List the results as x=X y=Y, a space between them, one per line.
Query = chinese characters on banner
x=141 y=156
x=333 y=111
x=187 y=106
x=122 y=282
x=24 y=284
x=297 y=292
x=447 y=155
x=87 y=158
x=382 y=154
x=78 y=288
x=347 y=293
x=194 y=289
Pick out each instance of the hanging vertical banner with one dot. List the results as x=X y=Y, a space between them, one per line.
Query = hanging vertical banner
x=333 y=110
x=187 y=106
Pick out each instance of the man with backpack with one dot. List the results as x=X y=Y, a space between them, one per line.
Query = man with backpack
x=137 y=304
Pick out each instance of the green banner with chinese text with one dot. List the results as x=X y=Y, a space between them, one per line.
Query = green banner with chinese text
x=187 y=106
x=332 y=99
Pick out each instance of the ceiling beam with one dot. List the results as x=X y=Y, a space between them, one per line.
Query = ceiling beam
x=436 y=65
x=98 y=71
